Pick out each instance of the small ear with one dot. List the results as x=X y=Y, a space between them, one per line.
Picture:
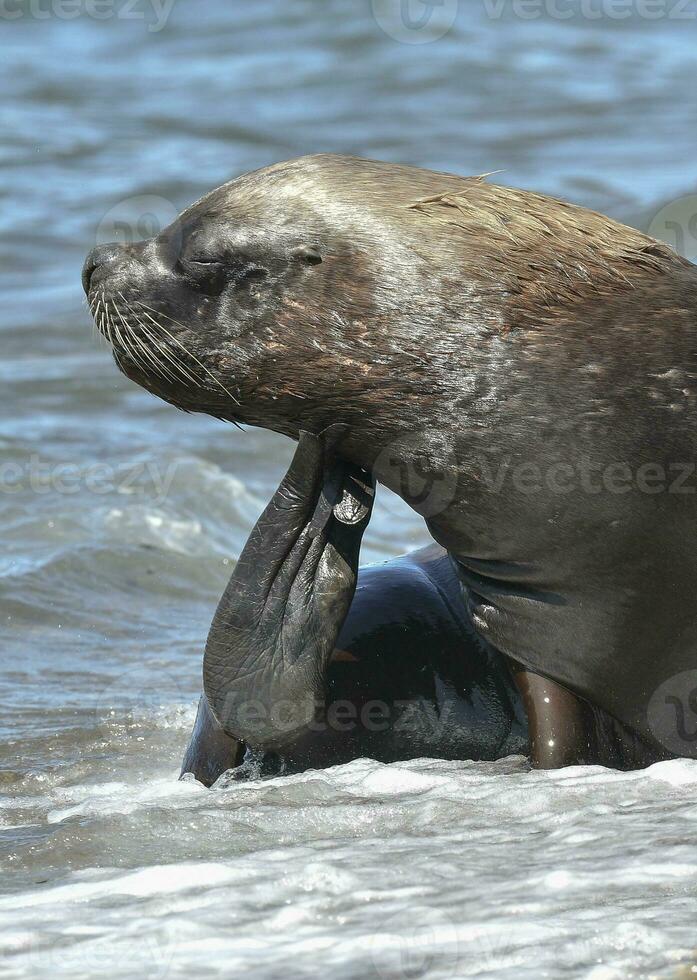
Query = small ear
x=309 y=254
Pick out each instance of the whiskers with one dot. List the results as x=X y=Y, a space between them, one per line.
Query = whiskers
x=99 y=320
x=136 y=330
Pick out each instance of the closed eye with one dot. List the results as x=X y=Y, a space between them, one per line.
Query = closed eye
x=201 y=260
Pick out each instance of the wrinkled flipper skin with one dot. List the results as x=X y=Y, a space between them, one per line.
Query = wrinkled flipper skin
x=277 y=623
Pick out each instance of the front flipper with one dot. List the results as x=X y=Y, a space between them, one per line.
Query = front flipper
x=210 y=751
x=278 y=620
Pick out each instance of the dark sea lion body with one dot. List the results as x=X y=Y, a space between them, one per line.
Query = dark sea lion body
x=408 y=679
x=533 y=362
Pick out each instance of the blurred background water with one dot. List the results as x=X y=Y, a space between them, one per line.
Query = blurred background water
x=122 y=518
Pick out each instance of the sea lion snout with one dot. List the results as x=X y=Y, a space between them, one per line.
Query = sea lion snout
x=113 y=262
x=99 y=260
x=224 y=310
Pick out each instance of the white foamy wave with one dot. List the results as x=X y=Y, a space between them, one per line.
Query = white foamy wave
x=416 y=869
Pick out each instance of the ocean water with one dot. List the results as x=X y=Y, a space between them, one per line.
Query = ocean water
x=122 y=517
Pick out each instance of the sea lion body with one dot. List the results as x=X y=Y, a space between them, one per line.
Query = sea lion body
x=408 y=679
x=532 y=363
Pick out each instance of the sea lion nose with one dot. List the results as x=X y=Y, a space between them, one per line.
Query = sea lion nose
x=101 y=257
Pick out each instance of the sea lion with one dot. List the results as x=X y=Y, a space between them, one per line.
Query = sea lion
x=532 y=362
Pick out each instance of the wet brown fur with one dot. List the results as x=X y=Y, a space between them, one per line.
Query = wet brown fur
x=543 y=255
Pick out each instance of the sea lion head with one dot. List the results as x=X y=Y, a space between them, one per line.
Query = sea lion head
x=393 y=300
x=272 y=300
